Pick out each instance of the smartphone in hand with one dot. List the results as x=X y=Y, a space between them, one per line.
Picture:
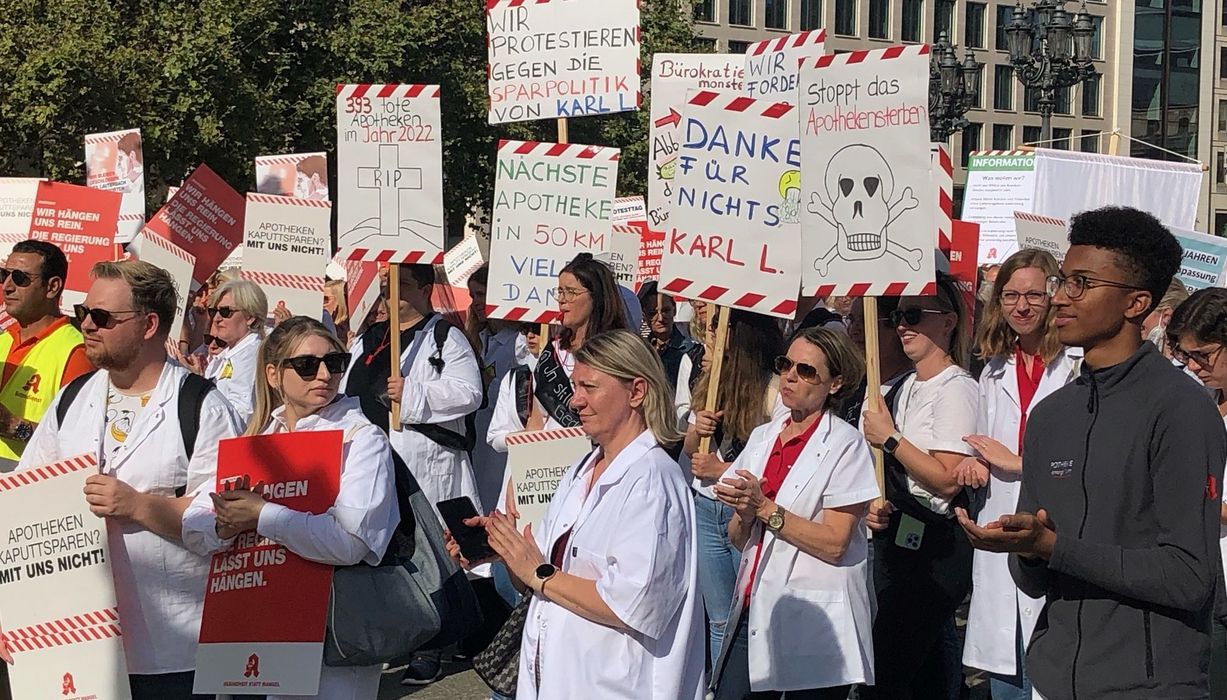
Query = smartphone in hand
x=472 y=539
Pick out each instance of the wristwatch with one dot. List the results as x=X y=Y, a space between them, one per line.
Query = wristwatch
x=775 y=522
x=24 y=430
x=892 y=443
x=544 y=573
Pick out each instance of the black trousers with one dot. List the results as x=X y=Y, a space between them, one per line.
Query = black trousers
x=164 y=686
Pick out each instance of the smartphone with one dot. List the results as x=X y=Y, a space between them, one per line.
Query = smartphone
x=472 y=540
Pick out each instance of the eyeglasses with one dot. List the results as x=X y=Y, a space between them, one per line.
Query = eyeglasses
x=808 y=373
x=567 y=294
x=214 y=340
x=912 y=316
x=101 y=318
x=223 y=311
x=308 y=366
x=1075 y=286
x=1011 y=298
x=21 y=278
x=1204 y=359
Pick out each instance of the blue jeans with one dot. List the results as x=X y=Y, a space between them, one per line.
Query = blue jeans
x=718 y=562
x=1018 y=686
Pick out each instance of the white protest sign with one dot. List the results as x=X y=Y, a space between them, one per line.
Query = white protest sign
x=868 y=188
x=536 y=462
x=301 y=175
x=773 y=65
x=1205 y=259
x=179 y=263
x=115 y=162
x=57 y=597
x=999 y=183
x=734 y=235
x=622 y=255
x=361 y=289
x=285 y=250
x=389 y=173
x=561 y=58
x=673 y=75
x=17 y=195
x=629 y=209
x=551 y=202
x=1042 y=233
x=462 y=261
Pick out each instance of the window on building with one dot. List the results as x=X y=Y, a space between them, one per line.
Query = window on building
x=973 y=33
x=1003 y=88
x=776 y=12
x=811 y=15
x=1031 y=99
x=1060 y=138
x=879 y=19
x=845 y=17
x=1220 y=168
x=1222 y=115
x=1097 y=37
x=1064 y=101
x=1003 y=137
x=913 y=18
x=1089 y=143
x=1222 y=63
x=1220 y=223
x=943 y=19
x=979 y=101
x=706 y=44
x=971 y=140
x=1031 y=134
x=1005 y=15
x=738 y=46
x=705 y=11
x=1090 y=97
x=740 y=13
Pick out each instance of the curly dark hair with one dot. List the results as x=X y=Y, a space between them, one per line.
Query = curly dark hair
x=1145 y=250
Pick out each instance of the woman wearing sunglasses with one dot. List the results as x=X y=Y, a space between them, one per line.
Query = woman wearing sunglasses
x=922 y=559
x=800 y=621
x=301 y=366
x=236 y=311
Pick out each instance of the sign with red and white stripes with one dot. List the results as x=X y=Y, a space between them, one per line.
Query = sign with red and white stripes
x=1042 y=233
x=301 y=175
x=115 y=162
x=999 y=183
x=58 y=607
x=17 y=196
x=81 y=221
x=943 y=180
x=389 y=173
x=286 y=247
x=773 y=65
x=536 y=462
x=869 y=198
x=552 y=202
x=361 y=289
x=176 y=261
x=561 y=58
x=734 y=236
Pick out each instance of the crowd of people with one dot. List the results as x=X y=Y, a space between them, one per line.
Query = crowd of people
x=1052 y=455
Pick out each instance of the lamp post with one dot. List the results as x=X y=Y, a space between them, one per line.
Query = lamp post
x=953 y=88
x=1050 y=51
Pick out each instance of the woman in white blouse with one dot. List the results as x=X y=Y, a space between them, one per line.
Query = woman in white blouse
x=237 y=310
x=800 y=622
x=297 y=390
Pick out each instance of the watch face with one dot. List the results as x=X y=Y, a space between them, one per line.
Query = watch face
x=546 y=570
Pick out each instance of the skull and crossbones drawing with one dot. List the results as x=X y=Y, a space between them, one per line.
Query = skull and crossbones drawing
x=859 y=191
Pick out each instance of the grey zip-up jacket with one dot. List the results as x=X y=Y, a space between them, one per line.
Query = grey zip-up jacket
x=1128 y=462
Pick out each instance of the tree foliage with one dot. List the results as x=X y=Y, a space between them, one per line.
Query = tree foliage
x=221 y=82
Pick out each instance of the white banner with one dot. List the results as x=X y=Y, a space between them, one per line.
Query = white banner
x=17 y=195
x=868 y=188
x=301 y=175
x=389 y=173
x=1042 y=233
x=158 y=251
x=536 y=462
x=115 y=162
x=286 y=242
x=773 y=65
x=1070 y=182
x=999 y=183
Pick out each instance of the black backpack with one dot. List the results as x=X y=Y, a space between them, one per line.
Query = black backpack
x=438 y=434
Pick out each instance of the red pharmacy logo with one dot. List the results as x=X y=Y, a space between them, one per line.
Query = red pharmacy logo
x=69 y=688
x=253 y=667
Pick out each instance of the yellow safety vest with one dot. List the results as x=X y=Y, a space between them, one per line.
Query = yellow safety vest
x=36 y=381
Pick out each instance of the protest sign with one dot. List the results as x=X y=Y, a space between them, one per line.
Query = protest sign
x=81 y=221
x=629 y=209
x=301 y=175
x=16 y=209
x=734 y=235
x=179 y=263
x=361 y=289
x=772 y=65
x=651 y=248
x=389 y=173
x=286 y=242
x=276 y=650
x=673 y=75
x=868 y=188
x=999 y=183
x=1205 y=259
x=561 y=58
x=622 y=255
x=942 y=167
x=551 y=202
x=536 y=462
x=963 y=246
x=115 y=162
x=1042 y=233
x=57 y=597
x=204 y=217
x=462 y=261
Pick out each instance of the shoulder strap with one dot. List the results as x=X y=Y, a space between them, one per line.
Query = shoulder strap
x=442 y=328
x=69 y=393
x=191 y=399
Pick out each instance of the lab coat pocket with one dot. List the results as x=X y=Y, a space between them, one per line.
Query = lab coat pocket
x=586 y=563
x=810 y=622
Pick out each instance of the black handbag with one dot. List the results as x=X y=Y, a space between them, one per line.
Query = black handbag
x=498 y=665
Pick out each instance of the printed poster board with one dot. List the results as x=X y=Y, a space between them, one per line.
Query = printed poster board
x=551 y=202
x=81 y=221
x=629 y=209
x=651 y=249
x=179 y=263
x=265 y=608
x=773 y=65
x=301 y=175
x=734 y=234
x=286 y=242
x=1205 y=259
x=361 y=289
x=964 y=243
x=536 y=462
x=561 y=58
x=868 y=188
x=16 y=209
x=115 y=162
x=1042 y=233
x=462 y=261
x=999 y=183
x=622 y=255
x=58 y=609
x=389 y=173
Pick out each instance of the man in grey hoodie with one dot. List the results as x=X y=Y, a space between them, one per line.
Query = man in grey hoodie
x=1118 y=518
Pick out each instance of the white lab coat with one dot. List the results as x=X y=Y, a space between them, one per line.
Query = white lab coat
x=810 y=623
x=239 y=384
x=996 y=603
x=357 y=528
x=159 y=584
x=503 y=351
x=634 y=535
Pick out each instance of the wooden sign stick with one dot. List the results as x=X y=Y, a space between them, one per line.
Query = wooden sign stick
x=717 y=362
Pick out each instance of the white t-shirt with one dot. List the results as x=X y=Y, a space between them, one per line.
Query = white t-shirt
x=122 y=411
x=934 y=415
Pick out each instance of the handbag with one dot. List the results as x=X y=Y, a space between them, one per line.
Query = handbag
x=498 y=665
x=417 y=597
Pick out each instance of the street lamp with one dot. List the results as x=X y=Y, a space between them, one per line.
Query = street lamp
x=1050 y=51
x=953 y=88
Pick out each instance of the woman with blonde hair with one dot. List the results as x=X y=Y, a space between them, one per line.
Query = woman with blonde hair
x=337 y=308
x=237 y=310
x=1154 y=326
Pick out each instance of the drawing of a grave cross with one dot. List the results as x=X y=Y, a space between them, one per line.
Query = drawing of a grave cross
x=390 y=179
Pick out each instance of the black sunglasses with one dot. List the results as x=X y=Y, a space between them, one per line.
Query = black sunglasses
x=214 y=340
x=21 y=278
x=808 y=373
x=223 y=311
x=308 y=366
x=912 y=316
x=100 y=317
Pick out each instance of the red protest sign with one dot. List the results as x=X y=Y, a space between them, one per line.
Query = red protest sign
x=81 y=221
x=265 y=604
x=651 y=248
x=964 y=246
x=204 y=218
